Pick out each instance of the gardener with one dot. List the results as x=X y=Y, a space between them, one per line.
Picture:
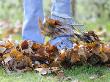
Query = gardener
x=33 y=9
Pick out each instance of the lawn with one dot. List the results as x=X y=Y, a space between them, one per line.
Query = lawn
x=80 y=73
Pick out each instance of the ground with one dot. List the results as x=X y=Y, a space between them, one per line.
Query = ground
x=81 y=73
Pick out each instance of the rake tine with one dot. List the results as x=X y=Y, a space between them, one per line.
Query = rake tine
x=79 y=27
x=77 y=30
x=82 y=28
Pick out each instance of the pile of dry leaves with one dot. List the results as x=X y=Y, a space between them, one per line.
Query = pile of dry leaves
x=46 y=58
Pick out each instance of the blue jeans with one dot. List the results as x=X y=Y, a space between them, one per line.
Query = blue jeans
x=33 y=9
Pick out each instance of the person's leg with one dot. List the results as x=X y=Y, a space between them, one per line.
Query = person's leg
x=61 y=10
x=32 y=11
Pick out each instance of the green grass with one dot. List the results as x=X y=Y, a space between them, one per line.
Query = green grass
x=93 y=26
x=24 y=77
x=17 y=37
x=81 y=73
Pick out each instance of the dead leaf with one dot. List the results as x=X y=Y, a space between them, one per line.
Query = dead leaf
x=9 y=44
x=75 y=80
x=6 y=60
x=24 y=45
x=2 y=43
x=2 y=49
x=43 y=71
x=60 y=74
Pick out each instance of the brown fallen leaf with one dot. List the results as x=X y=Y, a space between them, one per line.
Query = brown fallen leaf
x=75 y=80
x=43 y=71
x=55 y=69
x=24 y=44
x=9 y=44
x=2 y=43
x=2 y=49
x=60 y=74
x=16 y=54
